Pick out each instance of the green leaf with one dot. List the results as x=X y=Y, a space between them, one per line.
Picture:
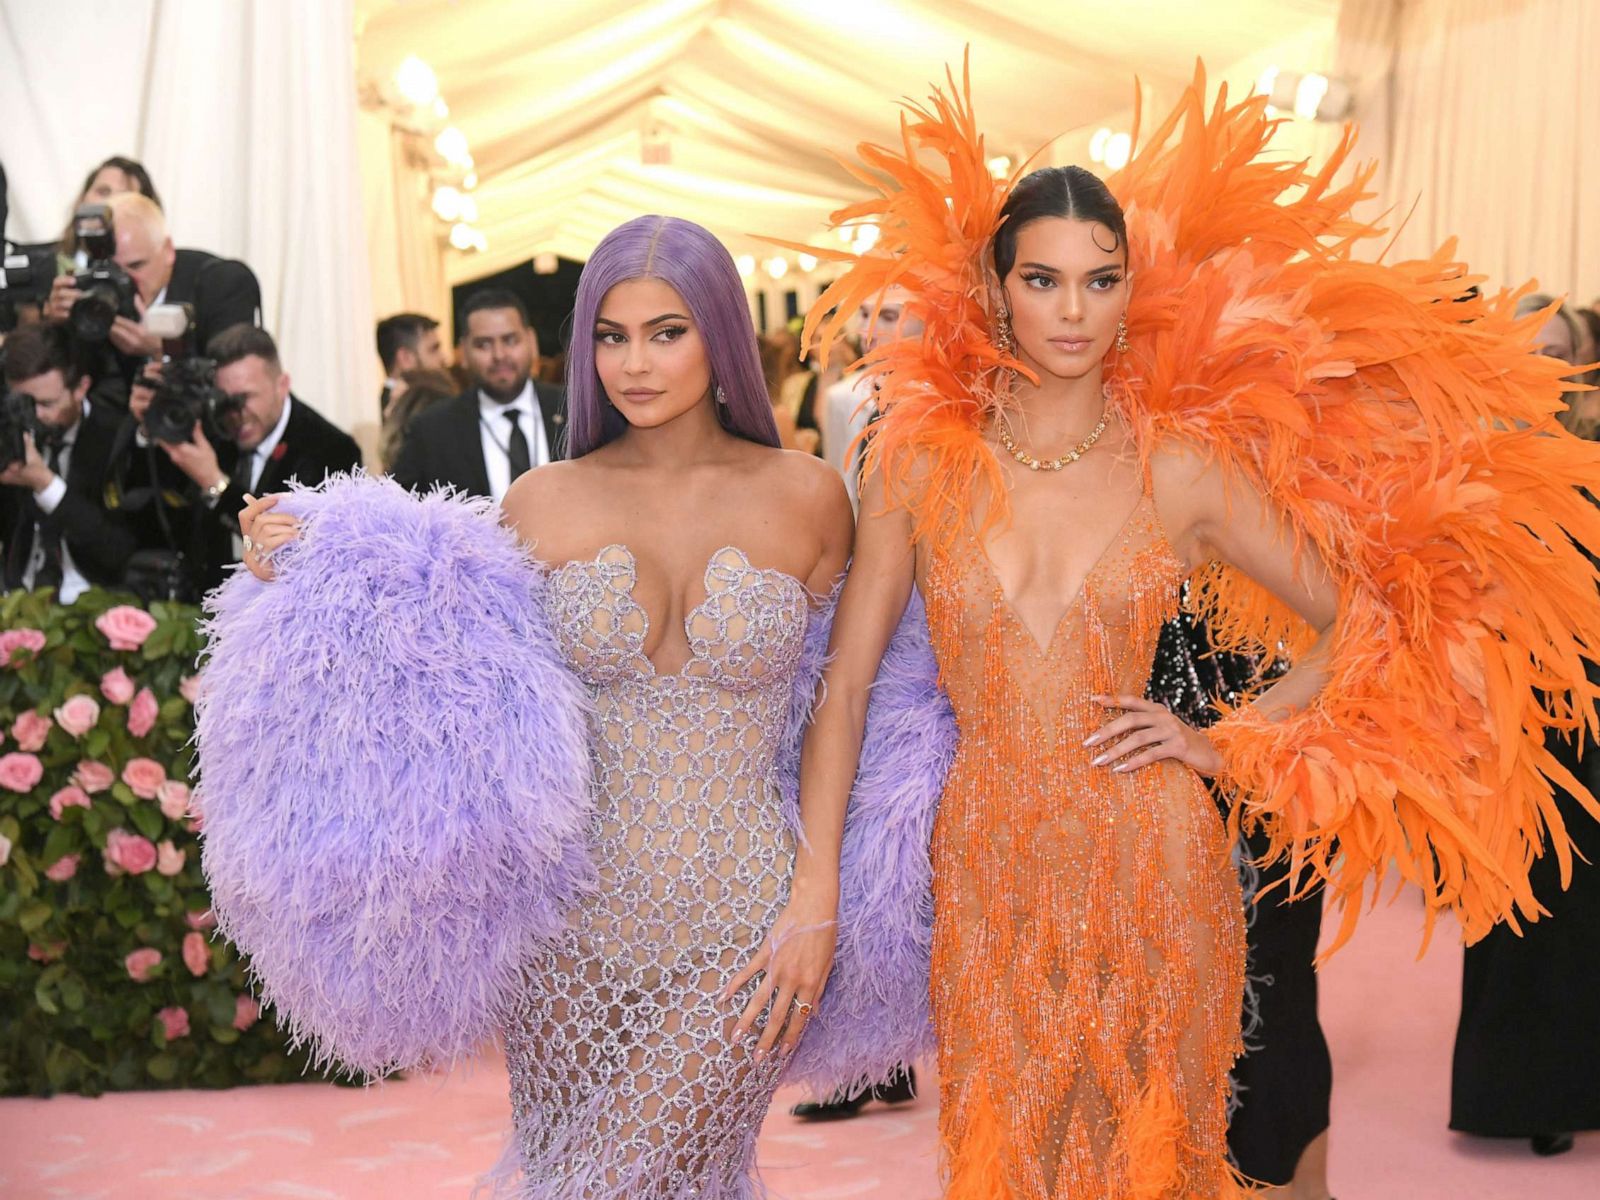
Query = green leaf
x=225 y=1035
x=148 y=820
x=96 y=743
x=162 y=1067
x=33 y=916
x=127 y=916
x=72 y=994
x=124 y=793
x=60 y=842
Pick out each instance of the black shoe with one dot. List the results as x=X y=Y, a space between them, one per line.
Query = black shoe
x=899 y=1090
x=1547 y=1145
x=833 y=1109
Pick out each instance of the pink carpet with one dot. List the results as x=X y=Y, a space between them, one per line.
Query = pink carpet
x=1390 y=1020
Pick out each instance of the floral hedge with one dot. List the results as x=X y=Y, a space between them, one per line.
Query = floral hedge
x=110 y=977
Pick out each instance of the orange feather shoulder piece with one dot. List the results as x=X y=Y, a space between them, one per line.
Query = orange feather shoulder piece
x=1400 y=423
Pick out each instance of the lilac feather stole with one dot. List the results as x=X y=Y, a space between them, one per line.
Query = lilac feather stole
x=394 y=779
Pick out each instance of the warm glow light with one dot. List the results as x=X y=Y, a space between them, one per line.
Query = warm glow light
x=847 y=234
x=866 y=237
x=447 y=203
x=777 y=266
x=1309 y=95
x=461 y=236
x=1000 y=165
x=746 y=264
x=470 y=181
x=1268 y=81
x=807 y=262
x=441 y=109
x=469 y=209
x=416 y=81
x=452 y=145
x=1098 y=143
x=1118 y=151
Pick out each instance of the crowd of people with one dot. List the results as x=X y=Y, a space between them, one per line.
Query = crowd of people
x=131 y=465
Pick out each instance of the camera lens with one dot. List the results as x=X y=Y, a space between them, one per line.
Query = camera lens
x=94 y=312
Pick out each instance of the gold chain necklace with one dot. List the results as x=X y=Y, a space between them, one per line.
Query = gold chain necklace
x=1054 y=464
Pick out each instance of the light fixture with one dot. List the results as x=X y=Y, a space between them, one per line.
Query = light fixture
x=480 y=241
x=746 y=264
x=452 y=146
x=447 y=203
x=469 y=209
x=777 y=266
x=416 y=81
x=866 y=237
x=440 y=108
x=1000 y=165
x=1098 y=143
x=806 y=262
x=461 y=235
x=1308 y=94
x=847 y=234
x=1118 y=150
x=469 y=180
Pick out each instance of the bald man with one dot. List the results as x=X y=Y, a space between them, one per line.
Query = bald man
x=223 y=292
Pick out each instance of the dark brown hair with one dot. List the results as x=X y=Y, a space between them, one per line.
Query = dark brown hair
x=1070 y=192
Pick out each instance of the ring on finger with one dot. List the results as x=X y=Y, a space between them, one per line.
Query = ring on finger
x=804 y=1007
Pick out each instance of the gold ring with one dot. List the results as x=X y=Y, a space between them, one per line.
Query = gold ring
x=803 y=1005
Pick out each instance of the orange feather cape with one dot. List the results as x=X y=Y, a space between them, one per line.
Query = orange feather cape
x=1407 y=433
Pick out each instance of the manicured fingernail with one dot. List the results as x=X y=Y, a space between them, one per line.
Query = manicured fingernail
x=1120 y=770
x=1098 y=761
x=760 y=1054
x=1091 y=739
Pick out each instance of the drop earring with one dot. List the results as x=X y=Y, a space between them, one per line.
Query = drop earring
x=1122 y=334
x=1005 y=340
x=720 y=396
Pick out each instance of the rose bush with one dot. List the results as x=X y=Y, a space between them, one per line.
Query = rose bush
x=109 y=975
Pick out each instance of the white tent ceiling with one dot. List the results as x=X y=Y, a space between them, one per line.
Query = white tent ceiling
x=753 y=98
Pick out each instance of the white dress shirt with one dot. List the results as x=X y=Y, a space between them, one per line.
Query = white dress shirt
x=73 y=584
x=845 y=413
x=263 y=453
x=495 y=430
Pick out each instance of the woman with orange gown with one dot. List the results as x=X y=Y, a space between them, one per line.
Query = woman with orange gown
x=1189 y=376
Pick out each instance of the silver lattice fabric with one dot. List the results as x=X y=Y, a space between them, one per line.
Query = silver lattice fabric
x=624 y=1081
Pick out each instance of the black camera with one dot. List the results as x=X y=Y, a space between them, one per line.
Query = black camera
x=18 y=417
x=108 y=292
x=25 y=274
x=185 y=394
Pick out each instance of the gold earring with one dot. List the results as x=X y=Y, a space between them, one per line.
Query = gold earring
x=1122 y=334
x=1004 y=340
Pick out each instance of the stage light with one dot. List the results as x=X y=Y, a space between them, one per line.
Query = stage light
x=1118 y=150
x=416 y=81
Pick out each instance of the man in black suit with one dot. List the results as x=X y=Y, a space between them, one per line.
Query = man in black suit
x=504 y=424
x=222 y=292
x=406 y=342
x=57 y=530
x=271 y=437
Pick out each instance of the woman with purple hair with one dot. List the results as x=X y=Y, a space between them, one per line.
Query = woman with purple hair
x=587 y=838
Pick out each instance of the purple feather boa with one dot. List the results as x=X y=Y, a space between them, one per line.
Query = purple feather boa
x=394 y=774
x=873 y=1017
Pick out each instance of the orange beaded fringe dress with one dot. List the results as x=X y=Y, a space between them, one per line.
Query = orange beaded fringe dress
x=1088 y=955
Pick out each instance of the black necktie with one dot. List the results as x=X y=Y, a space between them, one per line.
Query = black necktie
x=517 y=446
x=47 y=536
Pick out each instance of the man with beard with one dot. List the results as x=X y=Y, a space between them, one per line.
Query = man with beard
x=503 y=424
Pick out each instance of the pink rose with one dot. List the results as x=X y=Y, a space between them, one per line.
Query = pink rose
x=68 y=797
x=201 y=920
x=142 y=713
x=12 y=640
x=174 y=1022
x=5 y=849
x=141 y=962
x=63 y=869
x=145 y=776
x=196 y=956
x=245 y=1013
x=125 y=627
x=174 y=797
x=116 y=687
x=20 y=772
x=128 y=852
x=31 y=729
x=93 y=777
x=169 y=859
x=46 y=953
x=189 y=688
x=78 y=715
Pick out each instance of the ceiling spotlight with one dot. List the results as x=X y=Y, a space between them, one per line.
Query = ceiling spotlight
x=447 y=203
x=470 y=180
x=469 y=209
x=452 y=145
x=461 y=235
x=746 y=264
x=806 y=262
x=1118 y=150
x=777 y=266
x=416 y=81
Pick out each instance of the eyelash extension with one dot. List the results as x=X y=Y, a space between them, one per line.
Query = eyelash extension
x=677 y=331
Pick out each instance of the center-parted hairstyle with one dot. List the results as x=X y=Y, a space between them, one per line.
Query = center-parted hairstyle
x=699 y=268
x=1071 y=192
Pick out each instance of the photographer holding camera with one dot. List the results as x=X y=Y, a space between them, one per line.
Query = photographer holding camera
x=134 y=265
x=230 y=424
x=56 y=447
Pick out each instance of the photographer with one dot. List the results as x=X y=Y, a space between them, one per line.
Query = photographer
x=136 y=266
x=252 y=436
x=56 y=446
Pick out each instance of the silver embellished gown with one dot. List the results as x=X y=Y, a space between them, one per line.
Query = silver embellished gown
x=625 y=1081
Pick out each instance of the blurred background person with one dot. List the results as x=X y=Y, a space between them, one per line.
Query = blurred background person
x=58 y=531
x=116 y=174
x=406 y=342
x=504 y=424
x=846 y=407
x=1563 y=336
x=419 y=391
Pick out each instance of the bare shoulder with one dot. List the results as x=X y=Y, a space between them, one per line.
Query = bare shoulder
x=539 y=504
x=805 y=483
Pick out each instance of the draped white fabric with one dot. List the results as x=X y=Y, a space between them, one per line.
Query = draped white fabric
x=245 y=115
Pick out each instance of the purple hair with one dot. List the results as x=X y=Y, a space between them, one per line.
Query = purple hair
x=687 y=258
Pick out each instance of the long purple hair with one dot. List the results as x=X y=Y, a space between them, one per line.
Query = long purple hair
x=699 y=268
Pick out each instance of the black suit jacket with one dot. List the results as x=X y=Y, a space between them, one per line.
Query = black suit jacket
x=311 y=449
x=99 y=540
x=223 y=292
x=443 y=444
